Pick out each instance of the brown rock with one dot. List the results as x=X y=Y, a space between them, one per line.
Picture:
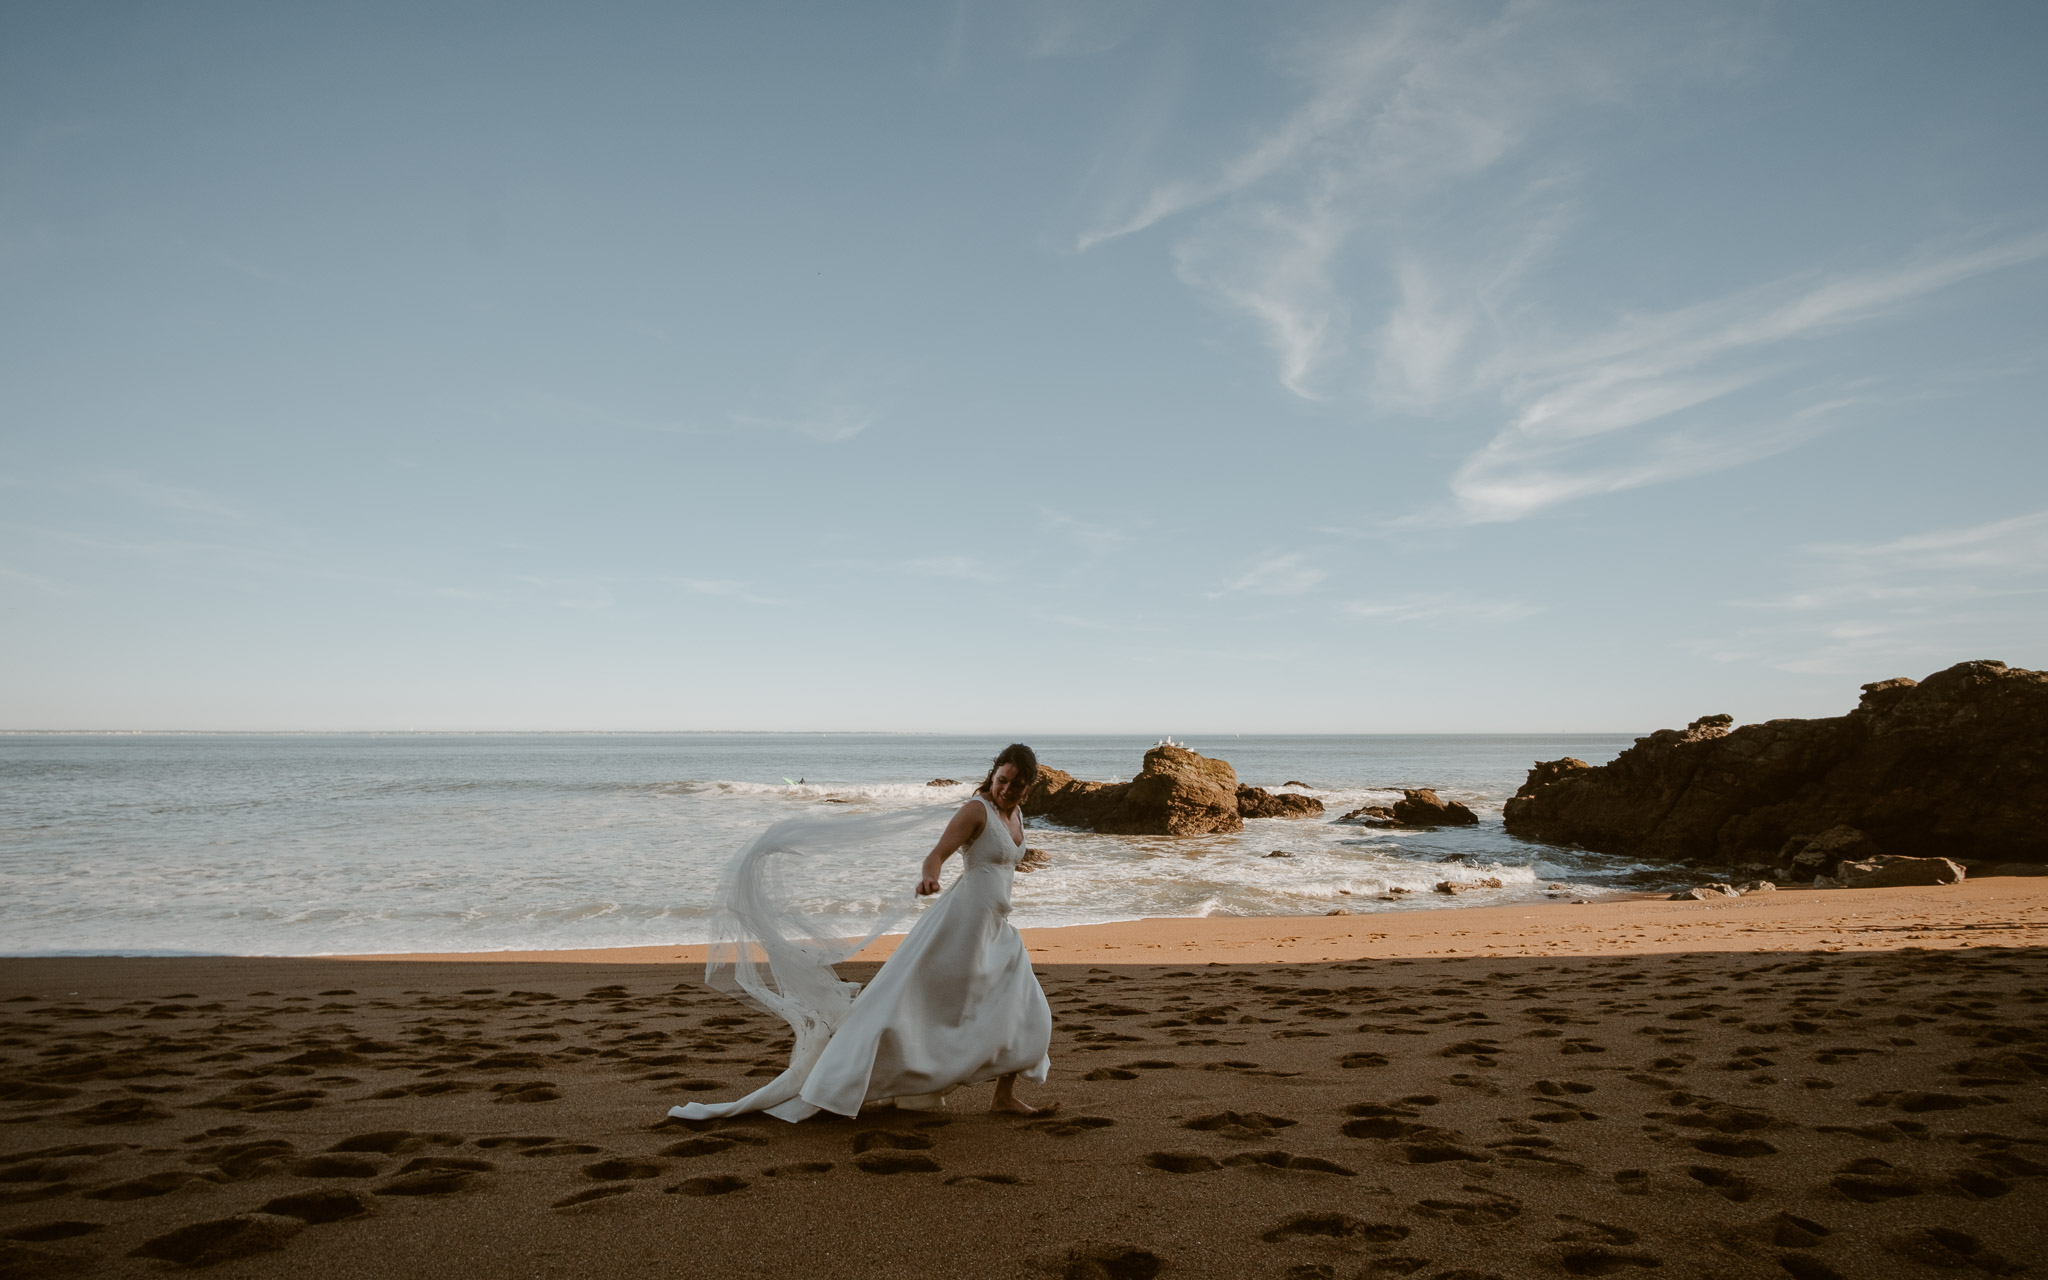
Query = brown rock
x=1420 y=807
x=1819 y=854
x=943 y=782
x=1706 y=893
x=1369 y=815
x=1953 y=762
x=1257 y=802
x=1886 y=871
x=1178 y=793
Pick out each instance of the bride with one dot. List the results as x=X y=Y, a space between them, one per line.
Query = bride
x=956 y=1004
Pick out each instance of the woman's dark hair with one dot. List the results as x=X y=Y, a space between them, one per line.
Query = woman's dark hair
x=1023 y=757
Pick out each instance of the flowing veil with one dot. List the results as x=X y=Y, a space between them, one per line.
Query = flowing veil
x=771 y=952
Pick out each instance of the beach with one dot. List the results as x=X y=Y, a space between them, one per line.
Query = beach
x=1843 y=1083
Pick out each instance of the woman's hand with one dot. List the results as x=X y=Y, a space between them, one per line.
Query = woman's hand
x=927 y=885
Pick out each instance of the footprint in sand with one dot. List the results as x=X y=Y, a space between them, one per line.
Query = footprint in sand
x=145 y=1187
x=563 y=1149
x=1595 y=1260
x=1801 y=1267
x=1241 y=1125
x=1336 y=1226
x=1286 y=1160
x=992 y=1179
x=720 y=1184
x=593 y=1194
x=324 y=1204
x=391 y=1142
x=1068 y=1126
x=1493 y=1209
x=1725 y=1183
x=1363 y=1059
x=893 y=1162
x=623 y=1170
x=1103 y=1260
x=45 y=1232
x=517 y=1142
x=335 y=1166
x=1790 y=1231
x=1949 y=1249
x=892 y=1139
x=802 y=1168
x=1110 y=1073
x=203 y=1244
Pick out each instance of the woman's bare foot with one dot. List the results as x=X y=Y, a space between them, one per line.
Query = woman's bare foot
x=1013 y=1107
x=1007 y=1103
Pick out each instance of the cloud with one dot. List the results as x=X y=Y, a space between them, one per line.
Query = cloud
x=726 y=588
x=1569 y=402
x=1097 y=540
x=1933 y=596
x=1383 y=236
x=1274 y=575
x=1440 y=607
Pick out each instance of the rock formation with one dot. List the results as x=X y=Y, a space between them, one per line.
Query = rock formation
x=1179 y=793
x=1951 y=767
x=1420 y=807
x=1257 y=802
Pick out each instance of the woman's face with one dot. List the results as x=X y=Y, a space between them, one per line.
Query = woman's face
x=1007 y=789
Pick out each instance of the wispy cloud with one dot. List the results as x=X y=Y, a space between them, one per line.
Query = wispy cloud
x=1440 y=607
x=1385 y=237
x=1570 y=403
x=726 y=588
x=1939 y=595
x=1287 y=574
x=1098 y=541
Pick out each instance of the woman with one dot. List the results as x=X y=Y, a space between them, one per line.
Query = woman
x=957 y=1003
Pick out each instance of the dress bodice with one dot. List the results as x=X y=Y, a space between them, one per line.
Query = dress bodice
x=993 y=848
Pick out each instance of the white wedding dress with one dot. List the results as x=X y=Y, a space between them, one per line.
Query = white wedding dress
x=957 y=1003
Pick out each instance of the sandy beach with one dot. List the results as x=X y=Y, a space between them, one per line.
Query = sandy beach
x=1815 y=1084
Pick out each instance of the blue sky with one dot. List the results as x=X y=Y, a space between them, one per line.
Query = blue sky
x=1015 y=367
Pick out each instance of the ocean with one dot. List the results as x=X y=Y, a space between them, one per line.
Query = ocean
x=305 y=844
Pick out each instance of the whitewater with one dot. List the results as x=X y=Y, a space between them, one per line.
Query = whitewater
x=297 y=844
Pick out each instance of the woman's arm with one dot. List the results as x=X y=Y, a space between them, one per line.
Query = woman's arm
x=964 y=827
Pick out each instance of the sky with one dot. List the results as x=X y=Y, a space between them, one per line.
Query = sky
x=1051 y=366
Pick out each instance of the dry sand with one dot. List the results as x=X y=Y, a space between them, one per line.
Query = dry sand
x=1848 y=1084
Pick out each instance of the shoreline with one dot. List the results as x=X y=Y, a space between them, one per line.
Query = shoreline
x=1994 y=911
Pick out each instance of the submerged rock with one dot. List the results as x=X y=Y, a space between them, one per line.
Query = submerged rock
x=1951 y=765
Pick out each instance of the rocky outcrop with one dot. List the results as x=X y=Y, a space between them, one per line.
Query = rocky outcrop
x=1887 y=871
x=1257 y=802
x=1420 y=807
x=1179 y=793
x=1369 y=815
x=1951 y=766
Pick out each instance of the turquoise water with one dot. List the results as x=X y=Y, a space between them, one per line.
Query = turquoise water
x=319 y=844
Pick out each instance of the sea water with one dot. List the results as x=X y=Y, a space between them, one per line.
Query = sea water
x=297 y=844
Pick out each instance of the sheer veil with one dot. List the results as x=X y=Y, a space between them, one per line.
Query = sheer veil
x=772 y=952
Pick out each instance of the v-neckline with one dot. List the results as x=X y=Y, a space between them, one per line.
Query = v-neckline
x=1004 y=823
